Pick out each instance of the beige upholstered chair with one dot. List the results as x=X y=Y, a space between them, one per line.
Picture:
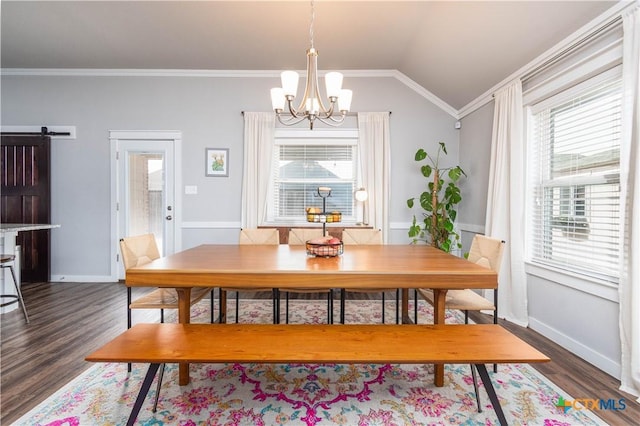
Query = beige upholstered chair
x=137 y=251
x=355 y=236
x=299 y=236
x=259 y=236
x=142 y=249
x=484 y=251
x=487 y=252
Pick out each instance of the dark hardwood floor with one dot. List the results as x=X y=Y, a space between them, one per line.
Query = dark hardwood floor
x=70 y=320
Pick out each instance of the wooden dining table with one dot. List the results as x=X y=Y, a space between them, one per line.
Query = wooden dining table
x=282 y=266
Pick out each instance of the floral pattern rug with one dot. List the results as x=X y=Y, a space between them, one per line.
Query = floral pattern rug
x=307 y=394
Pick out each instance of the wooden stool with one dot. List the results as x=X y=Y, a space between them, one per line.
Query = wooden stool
x=6 y=261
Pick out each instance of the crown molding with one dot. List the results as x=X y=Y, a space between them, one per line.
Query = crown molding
x=90 y=72
x=426 y=94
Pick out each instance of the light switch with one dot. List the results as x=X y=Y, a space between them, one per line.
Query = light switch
x=190 y=189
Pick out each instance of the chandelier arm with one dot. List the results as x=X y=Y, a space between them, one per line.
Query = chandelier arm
x=292 y=110
x=331 y=121
x=291 y=120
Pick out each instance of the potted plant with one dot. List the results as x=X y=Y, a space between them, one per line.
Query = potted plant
x=438 y=202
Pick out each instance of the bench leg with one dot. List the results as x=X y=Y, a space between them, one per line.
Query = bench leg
x=475 y=387
x=486 y=380
x=159 y=385
x=144 y=390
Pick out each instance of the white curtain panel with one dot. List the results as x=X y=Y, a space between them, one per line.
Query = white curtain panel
x=506 y=200
x=259 y=128
x=375 y=169
x=629 y=287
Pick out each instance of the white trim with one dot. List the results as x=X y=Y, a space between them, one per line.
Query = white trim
x=427 y=95
x=292 y=133
x=291 y=136
x=596 y=64
x=156 y=135
x=607 y=365
x=211 y=225
x=141 y=135
x=532 y=99
x=470 y=227
x=38 y=128
x=593 y=286
x=400 y=225
x=613 y=13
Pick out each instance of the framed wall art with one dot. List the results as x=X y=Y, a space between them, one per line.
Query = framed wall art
x=217 y=162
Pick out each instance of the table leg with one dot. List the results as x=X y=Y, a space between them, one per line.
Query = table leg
x=405 y=307
x=184 y=317
x=223 y=307
x=439 y=297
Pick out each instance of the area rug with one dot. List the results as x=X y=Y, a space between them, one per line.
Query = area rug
x=308 y=394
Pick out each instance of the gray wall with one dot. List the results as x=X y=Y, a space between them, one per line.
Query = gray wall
x=579 y=315
x=207 y=110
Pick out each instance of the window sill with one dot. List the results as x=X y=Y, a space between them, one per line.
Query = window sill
x=595 y=287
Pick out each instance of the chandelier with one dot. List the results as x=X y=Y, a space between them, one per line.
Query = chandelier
x=311 y=106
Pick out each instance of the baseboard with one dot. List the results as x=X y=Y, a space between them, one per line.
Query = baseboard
x=607 y=365
x=82 y=278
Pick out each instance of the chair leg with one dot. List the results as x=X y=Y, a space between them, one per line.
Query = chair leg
x=128 y=309
x=286 y=307
x=343 y=294
x=18 y=292
x=330 y=307
x=415 y=305
x=383 y=307
x=398 y=306
x=475 y=387
x=495 y=319
x=155 y=402
x=211 y=307
x=276 y=306
x=128 y=318
x=466 y=317
x=237 y=306
x=162 y=315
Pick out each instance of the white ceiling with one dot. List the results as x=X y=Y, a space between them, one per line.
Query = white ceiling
x=456 y=50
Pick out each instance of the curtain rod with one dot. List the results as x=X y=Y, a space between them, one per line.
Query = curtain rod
x=349 y=114
x=558 y=56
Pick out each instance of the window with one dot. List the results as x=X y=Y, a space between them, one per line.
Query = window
x=575 y=144
x=304 y=161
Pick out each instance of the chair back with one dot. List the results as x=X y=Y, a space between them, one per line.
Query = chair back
x=138 y=250
x=351 y=236
x=299 y=236
x=487 y=252
x=260 y=236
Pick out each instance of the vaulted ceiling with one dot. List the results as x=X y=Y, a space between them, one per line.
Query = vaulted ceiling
x=457 y=50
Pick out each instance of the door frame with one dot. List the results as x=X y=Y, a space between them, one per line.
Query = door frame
x=115 y=136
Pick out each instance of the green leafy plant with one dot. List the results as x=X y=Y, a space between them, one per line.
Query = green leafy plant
x=438 y=202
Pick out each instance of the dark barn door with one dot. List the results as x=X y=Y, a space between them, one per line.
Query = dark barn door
x=26 y=198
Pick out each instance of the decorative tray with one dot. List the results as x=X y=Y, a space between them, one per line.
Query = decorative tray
x=325 y=249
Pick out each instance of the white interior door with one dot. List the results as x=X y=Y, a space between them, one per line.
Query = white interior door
x=145 y=193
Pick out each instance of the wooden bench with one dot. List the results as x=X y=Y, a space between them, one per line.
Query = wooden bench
x=310 y=343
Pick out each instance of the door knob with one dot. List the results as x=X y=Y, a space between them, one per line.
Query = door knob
x=169 y=217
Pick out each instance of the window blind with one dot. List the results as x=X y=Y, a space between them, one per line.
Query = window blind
x=300 y=169
x=576 y=181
